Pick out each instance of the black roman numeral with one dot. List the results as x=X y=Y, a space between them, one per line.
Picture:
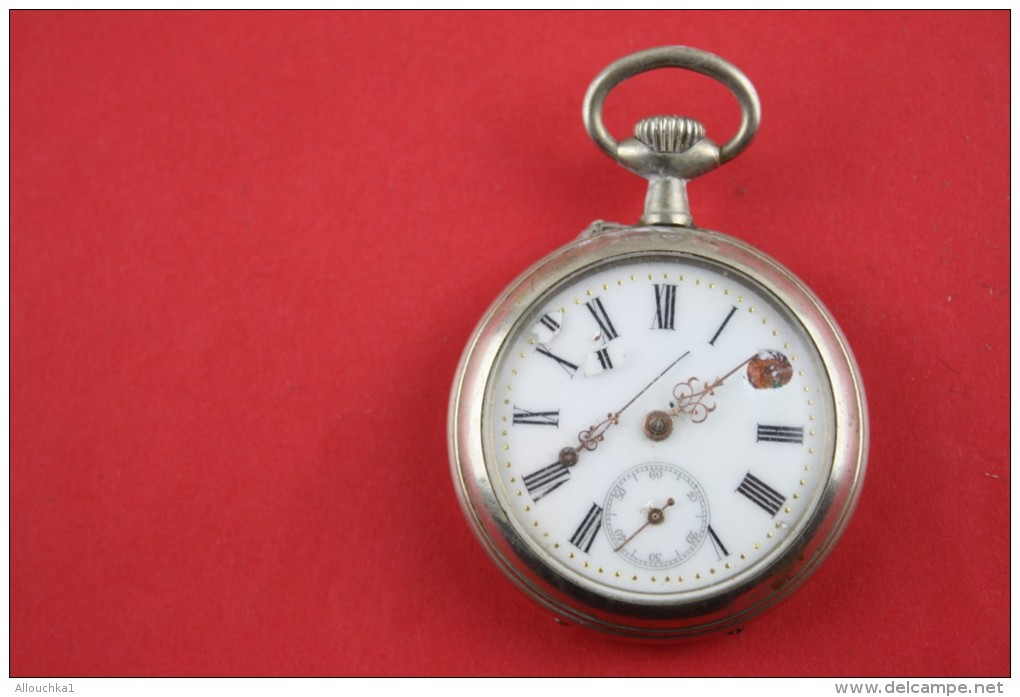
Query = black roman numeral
x=665 y=305
x=720 y=548
x=546 y=480
x=761 y=494
x=549 y=323
x=723 y=325
x=603 y=355
x=536 y=418
x=599 y=313
x=565 y=364
x=781 y=434
x=585 y=534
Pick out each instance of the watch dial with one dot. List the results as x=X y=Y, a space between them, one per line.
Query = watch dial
x=658 y=426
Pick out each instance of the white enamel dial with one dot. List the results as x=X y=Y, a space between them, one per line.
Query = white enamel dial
x=658 y=426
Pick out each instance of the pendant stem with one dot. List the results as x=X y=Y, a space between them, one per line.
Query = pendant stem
x=666 y=202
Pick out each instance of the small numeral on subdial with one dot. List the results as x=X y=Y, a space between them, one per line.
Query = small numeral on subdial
x=761 y=494
x=546 y=480
x=585 y=534
x=781 y=434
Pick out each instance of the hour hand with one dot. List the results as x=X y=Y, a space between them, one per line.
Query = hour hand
x=590 y=438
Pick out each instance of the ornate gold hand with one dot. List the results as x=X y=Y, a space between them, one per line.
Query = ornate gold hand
x=765 y=369
x=590 y=438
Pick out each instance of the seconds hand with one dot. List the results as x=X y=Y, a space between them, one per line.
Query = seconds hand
x=590 y=439
x=655 y=517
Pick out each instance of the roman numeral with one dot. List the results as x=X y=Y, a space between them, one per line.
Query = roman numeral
x=722 y=326
x=563 y=363
x=781 y=434
x=536 y=418
x=599 y=313
x=720 y=548
x=548 y=326
x=546 y=480
x=606 y=358
x=665 y=305
x=761 y=494
x=549 y=323
x=585 y=534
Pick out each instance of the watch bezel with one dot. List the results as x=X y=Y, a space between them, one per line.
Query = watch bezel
x=540 y=579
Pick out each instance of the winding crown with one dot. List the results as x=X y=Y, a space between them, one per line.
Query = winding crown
x=669 y=133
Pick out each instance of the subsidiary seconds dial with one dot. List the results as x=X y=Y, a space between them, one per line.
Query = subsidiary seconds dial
x=656 y=515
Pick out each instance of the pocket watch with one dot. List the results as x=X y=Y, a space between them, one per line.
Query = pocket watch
x=658 y=430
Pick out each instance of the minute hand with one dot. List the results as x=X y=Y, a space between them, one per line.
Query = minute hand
x=769 y=369
x=590 y=438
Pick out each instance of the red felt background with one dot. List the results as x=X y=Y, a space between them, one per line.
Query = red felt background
x=246 y=250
